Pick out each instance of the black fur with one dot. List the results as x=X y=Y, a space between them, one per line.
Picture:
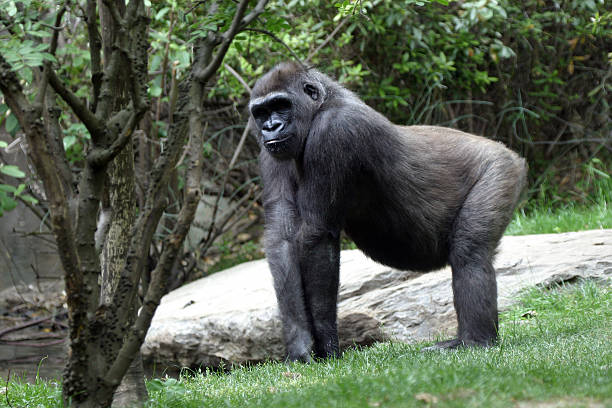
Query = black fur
x=417 y=197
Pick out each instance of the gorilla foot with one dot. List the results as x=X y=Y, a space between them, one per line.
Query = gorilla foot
x=303 y=358
x=457 y=343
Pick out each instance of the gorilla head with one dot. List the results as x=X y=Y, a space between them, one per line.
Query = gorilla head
x=283 y=104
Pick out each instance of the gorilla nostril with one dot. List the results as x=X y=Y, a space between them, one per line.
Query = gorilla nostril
x=273 y=125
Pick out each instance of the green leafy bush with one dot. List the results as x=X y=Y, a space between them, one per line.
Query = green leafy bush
x=534 y=75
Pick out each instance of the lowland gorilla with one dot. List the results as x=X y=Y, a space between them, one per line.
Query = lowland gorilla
x=411 y=197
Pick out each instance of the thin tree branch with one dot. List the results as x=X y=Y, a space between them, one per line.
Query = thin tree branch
x=327 y=40
x=248 y=19
x=25 y=325
x=100 y=158
x=95 y=47
x=278 y=40
x=93 y=124
x=204 y=74
x=231 y=164
x=47 y=64
x=51 y=116
x=238 y=77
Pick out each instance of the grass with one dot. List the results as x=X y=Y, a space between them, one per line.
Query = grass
x=554 y=351
x=546 y=221
x=586 y=207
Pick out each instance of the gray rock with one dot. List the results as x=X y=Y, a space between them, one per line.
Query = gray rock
x=231 y=316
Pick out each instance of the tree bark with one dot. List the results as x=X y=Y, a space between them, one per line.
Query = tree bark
x=122 y=209
x=122 y=199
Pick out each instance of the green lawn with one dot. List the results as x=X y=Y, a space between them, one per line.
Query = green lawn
x=544 y=221
x=555 y=350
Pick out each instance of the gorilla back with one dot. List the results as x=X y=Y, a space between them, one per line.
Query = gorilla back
x=416 y=197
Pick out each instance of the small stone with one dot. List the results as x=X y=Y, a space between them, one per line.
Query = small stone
x=243 y=237
x=426 y=398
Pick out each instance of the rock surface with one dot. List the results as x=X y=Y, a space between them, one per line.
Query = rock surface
x=231 y=316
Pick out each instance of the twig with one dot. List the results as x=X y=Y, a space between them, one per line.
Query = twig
x=41 y=345
x=238 y=23
x=195 y=5
x=327 y=40
x=93 y=125
x=278 y=40
x=47 y=65
x=55 y=28
x=25 y=325
x=239 y=147
x=38 y=336
x=6 y=394
x=7 y=254
x=559 y=134
x=257 y=10
x=238 y=77
x=95 y=45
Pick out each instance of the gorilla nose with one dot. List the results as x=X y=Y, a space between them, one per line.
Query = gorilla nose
x=272 y=129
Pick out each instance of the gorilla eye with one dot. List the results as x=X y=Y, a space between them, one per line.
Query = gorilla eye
x=311 y=91
x=259 y=112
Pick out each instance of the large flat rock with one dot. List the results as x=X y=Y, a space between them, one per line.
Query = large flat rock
x=232 y=317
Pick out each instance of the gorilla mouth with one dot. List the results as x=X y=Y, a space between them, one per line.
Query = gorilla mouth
x=276 y=145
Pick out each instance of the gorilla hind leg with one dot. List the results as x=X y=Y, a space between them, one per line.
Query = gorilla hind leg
x=476 y=233
x=475 y=299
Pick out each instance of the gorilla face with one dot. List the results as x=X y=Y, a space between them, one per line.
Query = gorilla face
x=273 y=114
x=282 y=107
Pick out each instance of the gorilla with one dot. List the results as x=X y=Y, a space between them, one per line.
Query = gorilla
x=410 y=197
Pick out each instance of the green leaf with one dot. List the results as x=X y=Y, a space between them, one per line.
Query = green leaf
x=12 y=171
x=155 y=91
x=69 y=141
x=7 y=188
x=20 y=189
x=3 y=144
x=29 y=198
x=161 y=13
x=11 y=9
x=7 y=203
x=41 y=34
x=11 y=125
x=599 y=172
x=155 y=385
x=26 y=73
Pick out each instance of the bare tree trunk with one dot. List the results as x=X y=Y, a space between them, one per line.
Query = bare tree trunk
x=122 y=200
x=122 y=209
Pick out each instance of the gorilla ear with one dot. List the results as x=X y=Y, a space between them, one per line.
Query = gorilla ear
x=311 y=91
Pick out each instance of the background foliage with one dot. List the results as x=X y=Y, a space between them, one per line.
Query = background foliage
x=532 y=74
